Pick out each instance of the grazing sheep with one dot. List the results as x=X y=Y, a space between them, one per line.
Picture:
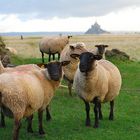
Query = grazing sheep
x=96 y=82
x=53 y=45
x=70 y=69
x=24 y=92
x=101 y=49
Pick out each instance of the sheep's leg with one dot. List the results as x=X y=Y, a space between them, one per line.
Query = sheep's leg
x=70 y=87
x=29 y=127
x=96 y=112
x=40 y=119
x=100 y=112
x=17 y=124
x=49 y=57
x=58 y=56
x=111 y=116
x=2 y=124
x=48 y=115
x=53 y=56
x=87 y=107
x=42 y=57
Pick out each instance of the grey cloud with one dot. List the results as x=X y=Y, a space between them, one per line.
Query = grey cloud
x=63 y=8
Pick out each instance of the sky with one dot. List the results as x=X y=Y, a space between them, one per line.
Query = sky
x=69 y=15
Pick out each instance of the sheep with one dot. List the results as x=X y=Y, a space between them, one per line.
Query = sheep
x=24 y=92
x=70 y=69
x=101 y=50
x=96 y=80
x=53 y=45
x=21 y=68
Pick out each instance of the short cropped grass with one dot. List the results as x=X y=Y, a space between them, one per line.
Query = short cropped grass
x=68 y=113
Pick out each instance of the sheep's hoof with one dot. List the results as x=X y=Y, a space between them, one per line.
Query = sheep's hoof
x=88 y=123
x=41 y=132
x=111 y=118
x=96 y=126
x=2 y=125
x=100 y=117
x=30 y=130
x=48 y=117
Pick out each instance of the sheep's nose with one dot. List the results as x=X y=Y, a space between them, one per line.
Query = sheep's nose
x=82 y=67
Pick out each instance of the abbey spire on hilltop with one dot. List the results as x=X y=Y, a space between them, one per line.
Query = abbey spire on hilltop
x=95 y=29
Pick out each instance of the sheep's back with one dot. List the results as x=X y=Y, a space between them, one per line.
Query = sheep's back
x=70 y=69
x=21 y=89
x=53 y=45
x=114 y=79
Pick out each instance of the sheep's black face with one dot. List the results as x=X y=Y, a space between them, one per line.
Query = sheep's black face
x=55 y=70
x=86 y=61
x=101 y=48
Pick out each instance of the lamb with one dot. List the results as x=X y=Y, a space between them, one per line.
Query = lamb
x=53 y=45
x=24 y=92
x=70 y=69
x=96 y=81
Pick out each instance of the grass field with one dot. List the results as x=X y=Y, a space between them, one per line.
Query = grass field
x=28 y=47
x=68 y=113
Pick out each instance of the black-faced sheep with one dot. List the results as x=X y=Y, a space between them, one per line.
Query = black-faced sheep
x=101 y=50
x=24 y=92
x=96 y=82
x=70 y=69
x=53 y=45
x=29 y=67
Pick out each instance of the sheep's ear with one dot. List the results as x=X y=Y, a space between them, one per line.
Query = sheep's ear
x=71 y=47
x=69 y=36
x=64 y=63
x=75 y=56
x=97 y=57
x=96 y=46
x=105 y=46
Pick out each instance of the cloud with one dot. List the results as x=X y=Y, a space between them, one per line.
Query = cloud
x=124 y=20
x=29 y=9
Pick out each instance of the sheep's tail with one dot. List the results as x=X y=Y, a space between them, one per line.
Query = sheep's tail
x=1 y=67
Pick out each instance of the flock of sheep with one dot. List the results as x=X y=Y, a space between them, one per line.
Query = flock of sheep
x=26 y=89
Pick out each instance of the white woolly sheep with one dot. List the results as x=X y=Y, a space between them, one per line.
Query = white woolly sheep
x=24 y=92
x=53 y=45
x=70 y=69
x=96 y=82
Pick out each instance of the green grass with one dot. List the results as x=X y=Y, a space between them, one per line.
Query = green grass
x=68 y=113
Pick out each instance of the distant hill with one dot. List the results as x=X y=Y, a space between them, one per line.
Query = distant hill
x=95 y=29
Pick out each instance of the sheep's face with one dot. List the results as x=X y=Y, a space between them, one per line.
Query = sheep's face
x=87 y=60
x=101 y=49
x=77 y=48
x=55 y=69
